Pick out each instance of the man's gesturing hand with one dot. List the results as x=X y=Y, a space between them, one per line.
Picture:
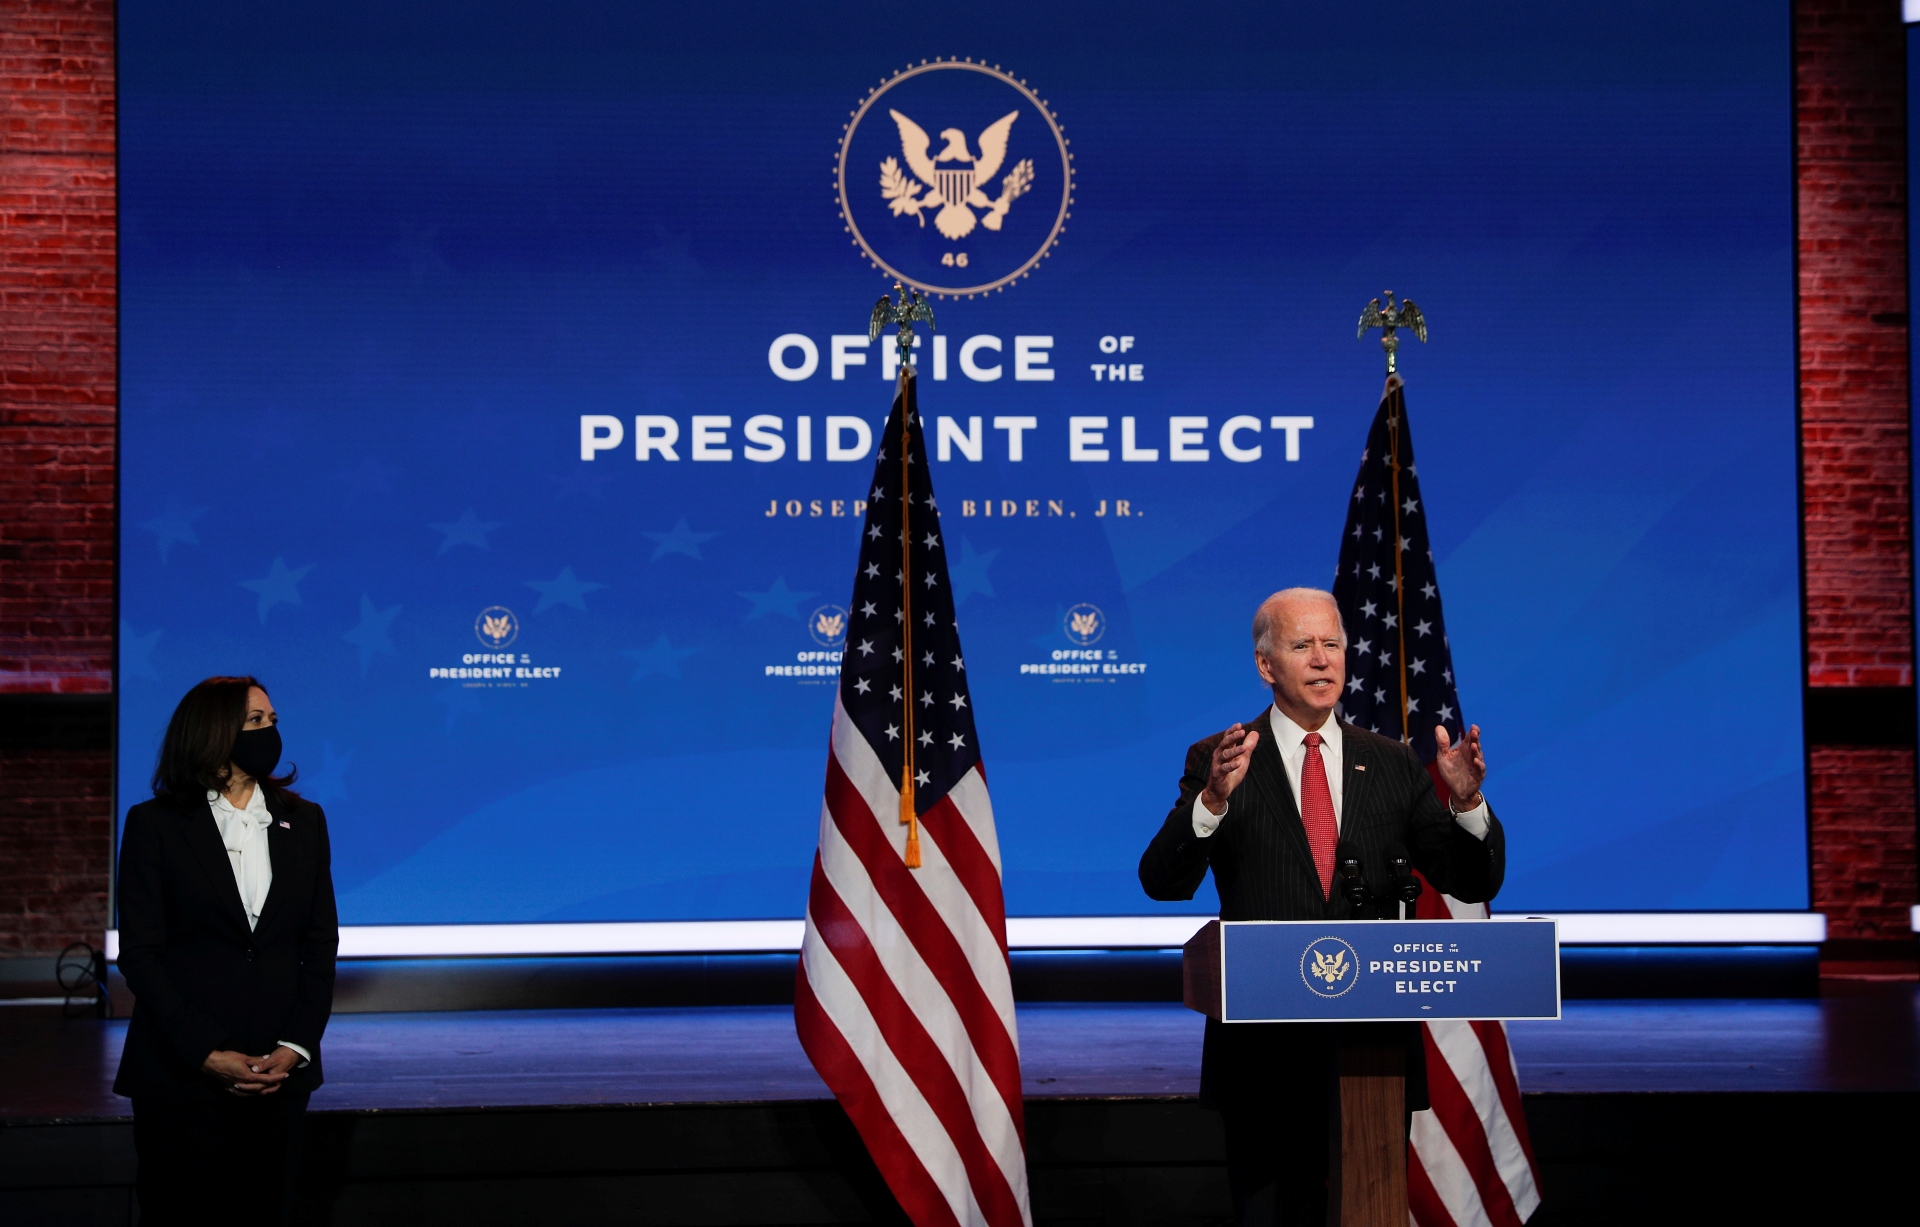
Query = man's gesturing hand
x=1230 y=759
x=1462 y=766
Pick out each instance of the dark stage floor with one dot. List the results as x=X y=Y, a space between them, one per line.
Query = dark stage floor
x=711 y=1115
x=54 y=1068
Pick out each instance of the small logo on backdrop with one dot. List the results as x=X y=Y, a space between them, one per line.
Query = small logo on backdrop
x=1085 y=624
x=496 y=626
x=999 y=145
x=1329 y=967
x=828 y=626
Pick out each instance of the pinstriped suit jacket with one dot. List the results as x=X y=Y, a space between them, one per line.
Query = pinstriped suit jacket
x=1262 y=865
x=1263 y=869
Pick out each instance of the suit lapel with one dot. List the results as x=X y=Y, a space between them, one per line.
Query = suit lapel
x=1269 y=775
x=282 y=850
x=203 y=837
x=1357 y=769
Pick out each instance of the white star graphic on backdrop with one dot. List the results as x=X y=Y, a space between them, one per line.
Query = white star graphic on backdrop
x=1424 y=628
x=1416 y=666
x=1386 y=658
x=957 y=741
x=1373 y=572
x=873 y=534
x=1446 y=712
x=898 y=656
x=926 y=700
x=893 y=732
x=662 y=658
x=927 y=659
x=1410 y=506
x=926 y=738
x=1392 y=621
x=471 y=530
x=958 y=665
x=873 y=571
x=1364 y=647
x=778 y=599
x=866 y=647
x=1428 y=590
x=958 y=700
x=921 y=778
x=1369 y=609
x=930 y=579
x=862 y=686
x=680 y=539
x=894 y=694
x=1413 y=705
x=279 y=586
x=1379 y=696
x=174 y=525
x=370 y=636
x=929 y=621
x=933 y=542
x=867 y=610
x=1353 y=686
x=136 y=652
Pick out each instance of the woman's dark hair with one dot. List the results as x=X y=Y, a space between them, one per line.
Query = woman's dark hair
x=197 y=753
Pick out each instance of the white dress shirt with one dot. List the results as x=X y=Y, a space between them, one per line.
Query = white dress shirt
x=244 y=831
x=1291 y=740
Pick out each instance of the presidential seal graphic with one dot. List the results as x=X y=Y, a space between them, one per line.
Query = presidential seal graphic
x=1084 y=624
x=828 y=626
x=954 y=176
x=1329 y=967
x=496 y=626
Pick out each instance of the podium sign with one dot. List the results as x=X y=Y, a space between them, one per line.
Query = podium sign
x=1373 y=970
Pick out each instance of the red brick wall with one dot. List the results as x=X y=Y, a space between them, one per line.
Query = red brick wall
x=57 y=402
x=1850 y=111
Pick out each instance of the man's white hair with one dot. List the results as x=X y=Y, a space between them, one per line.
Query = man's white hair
x=1263 y=617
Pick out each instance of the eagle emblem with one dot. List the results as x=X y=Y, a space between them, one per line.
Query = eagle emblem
x=1330 y=969
x=954 y=179
x=829 y=625
x=1084 y=624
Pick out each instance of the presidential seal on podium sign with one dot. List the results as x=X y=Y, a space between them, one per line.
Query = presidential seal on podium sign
x=953 y=177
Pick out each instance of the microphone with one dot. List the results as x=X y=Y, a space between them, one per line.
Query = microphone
x=1353 y=881
x=1406 y=887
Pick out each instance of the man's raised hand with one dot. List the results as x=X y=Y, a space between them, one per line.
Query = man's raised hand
x=1462 y=766
x=1230 y=760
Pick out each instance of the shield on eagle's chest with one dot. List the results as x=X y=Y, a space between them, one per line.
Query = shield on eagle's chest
x=955 y=184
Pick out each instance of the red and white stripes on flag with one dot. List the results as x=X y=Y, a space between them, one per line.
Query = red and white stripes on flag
x=905 y=995
x=905 y=1003
x=1469 y=1160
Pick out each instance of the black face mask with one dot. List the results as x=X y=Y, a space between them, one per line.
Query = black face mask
x=257 y=751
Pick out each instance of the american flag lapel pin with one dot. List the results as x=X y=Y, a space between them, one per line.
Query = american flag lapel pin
x=1356 y=767
x=286 y=825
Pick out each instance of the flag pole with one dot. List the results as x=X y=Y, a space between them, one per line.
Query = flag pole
x=912 y=306
x=908 y=814
x=1394 y=384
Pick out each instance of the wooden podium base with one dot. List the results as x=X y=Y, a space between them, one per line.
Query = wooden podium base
x=1369 y=1188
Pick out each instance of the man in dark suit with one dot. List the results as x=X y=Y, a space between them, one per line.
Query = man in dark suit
x=1265 y=805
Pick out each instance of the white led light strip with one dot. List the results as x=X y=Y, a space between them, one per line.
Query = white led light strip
x=1023 y=933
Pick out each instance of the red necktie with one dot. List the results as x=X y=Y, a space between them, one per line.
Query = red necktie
x=1316 y=810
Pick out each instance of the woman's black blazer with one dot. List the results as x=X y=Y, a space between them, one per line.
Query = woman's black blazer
x=201 y=980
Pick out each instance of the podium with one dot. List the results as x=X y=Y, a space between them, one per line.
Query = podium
x=1306 y=971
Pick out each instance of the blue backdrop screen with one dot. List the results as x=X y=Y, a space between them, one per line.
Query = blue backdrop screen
x=469 y=337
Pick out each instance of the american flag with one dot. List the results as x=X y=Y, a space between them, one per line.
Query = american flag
x=1469 y=1160
x=905 y=1001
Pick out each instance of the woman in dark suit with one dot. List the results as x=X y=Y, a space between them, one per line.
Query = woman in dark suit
x=227 y=939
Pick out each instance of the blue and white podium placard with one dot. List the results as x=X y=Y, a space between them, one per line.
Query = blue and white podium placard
x=1373 y=970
